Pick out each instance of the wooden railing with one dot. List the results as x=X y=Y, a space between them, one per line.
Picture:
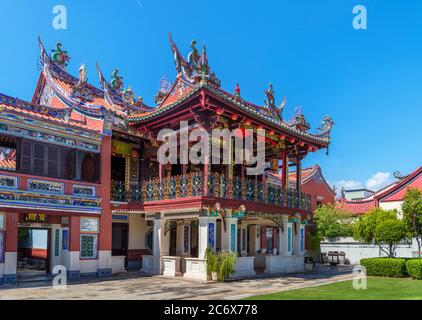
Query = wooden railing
x=219 y=186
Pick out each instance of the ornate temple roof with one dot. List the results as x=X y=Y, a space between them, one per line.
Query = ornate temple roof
x=194 y=75
x=63 y=98
x=41 y=112
x=95 y=107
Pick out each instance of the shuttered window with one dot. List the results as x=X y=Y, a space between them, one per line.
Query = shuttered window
x=46 y=160
x=53 y=162
x=38 y=158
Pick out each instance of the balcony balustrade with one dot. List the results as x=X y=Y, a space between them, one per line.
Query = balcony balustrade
x=218 y=186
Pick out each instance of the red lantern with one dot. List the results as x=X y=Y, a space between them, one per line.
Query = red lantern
x=271 y=132
x=220 y=111
x=282 y=137
x=234 y=116
x=292 y=140
x=248 y=122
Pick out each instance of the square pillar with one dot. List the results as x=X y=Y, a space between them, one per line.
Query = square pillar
x=160 y=238
x=229 y=236
x=183 y=240
x=243 y=240
x=254 y=240
x=105 y=223
x=72 y=261
x=11 y=247
x=207 y=231
x=285 y=239
x=160 y=247
x=263 y=239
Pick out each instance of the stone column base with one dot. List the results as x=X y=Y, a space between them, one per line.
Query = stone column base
x=151 y=264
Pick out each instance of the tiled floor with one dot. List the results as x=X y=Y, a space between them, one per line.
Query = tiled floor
x=137 y=286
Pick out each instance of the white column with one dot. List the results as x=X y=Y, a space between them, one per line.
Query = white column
x=286 y=238
x=156 y=236
x=207 y=230
x=179 y=240
x=254 y=240
x=229 y=237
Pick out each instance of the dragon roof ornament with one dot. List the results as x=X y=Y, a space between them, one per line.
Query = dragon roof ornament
x=196 y=69
x=60 y=57
x=118 y=97
x=270 y=106
x=326 y=125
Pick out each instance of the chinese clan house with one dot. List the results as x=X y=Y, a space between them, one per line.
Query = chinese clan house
x=81 y=186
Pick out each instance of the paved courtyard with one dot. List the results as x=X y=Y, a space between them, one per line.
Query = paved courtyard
x=135 y=286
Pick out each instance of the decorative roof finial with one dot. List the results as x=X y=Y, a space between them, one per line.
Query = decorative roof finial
x=82 y=75
x=270 y=102
x=326 y=126
x=116 y=81
x=273 y=110
x=237 y=91
x=193 y=56
x=59 y=56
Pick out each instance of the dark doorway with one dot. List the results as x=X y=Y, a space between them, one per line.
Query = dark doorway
x=33 y=251
x=120 y=240
x=173 y=241
x=194 y=240
x=118 y=168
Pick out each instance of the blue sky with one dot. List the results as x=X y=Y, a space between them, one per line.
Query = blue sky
x=369 y=81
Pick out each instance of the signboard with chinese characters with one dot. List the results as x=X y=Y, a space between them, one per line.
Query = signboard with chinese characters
x=89 y=225
x=36 y=218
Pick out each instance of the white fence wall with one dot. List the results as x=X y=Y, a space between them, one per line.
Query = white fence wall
x=355 y=251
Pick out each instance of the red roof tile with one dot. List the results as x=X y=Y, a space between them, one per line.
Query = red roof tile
x=356 y=207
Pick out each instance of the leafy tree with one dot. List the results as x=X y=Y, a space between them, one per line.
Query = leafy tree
x=383 y=228
x=412 y=214
x=332 y=222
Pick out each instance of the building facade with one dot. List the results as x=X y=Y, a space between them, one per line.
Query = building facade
x=80 y=163
x=388 y=198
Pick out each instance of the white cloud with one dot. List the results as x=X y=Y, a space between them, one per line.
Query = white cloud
x=346 y=184
x=379 y=181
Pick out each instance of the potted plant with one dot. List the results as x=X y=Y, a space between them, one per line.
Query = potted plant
x=212 y=264
x=227 y=261
x=220 y=266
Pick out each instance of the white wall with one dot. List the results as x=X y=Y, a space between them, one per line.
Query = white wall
x=394 y=205
x=137 y=230
x=355 y=251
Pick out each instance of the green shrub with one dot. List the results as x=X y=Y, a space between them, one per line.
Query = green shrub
x=385 y=267
x=414 y=268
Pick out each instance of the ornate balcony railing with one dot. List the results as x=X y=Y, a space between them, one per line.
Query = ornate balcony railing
x=219 y=186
